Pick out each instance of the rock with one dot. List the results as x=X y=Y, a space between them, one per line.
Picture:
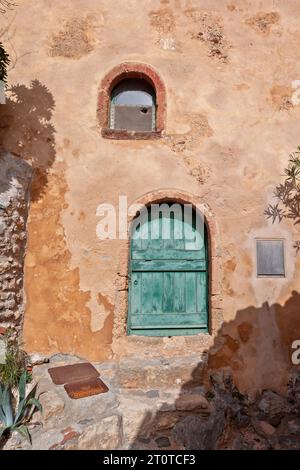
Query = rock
x=44 y=440
x=264 y=428
x=13 y=442
x=38 y=359
x=84 y=422
x=158 y=373
x=68 y=436
x=289 y=432
x=165 y=420
x=294 y=426
x=288 y=442
x=294 y=387
x=196 y=433
x=2 y=227
x=166 y=400
x=152 y=394
x=193 y=402
x=273 y=406
x=105 y=435
x=68 y=442
x=163 y=441
x=165 y=406
x=137 y=417
x=2 y=351
x=52 y=404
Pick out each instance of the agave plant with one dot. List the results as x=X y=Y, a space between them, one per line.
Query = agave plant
x=16 y=418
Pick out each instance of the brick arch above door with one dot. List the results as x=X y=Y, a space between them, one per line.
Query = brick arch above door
x=123 y=344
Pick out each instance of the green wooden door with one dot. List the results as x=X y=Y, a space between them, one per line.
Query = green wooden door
x=168 y=276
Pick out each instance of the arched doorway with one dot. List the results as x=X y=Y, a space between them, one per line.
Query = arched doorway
x=168 y=272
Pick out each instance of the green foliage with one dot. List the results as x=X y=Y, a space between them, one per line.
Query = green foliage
x=15 y=365
x=288 y=195
x=15 y=418
x=4 y=61
x=293 y=170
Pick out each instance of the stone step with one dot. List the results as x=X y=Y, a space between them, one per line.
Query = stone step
x=177 y=372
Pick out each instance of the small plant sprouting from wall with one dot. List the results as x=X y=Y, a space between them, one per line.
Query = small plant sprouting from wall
x=288 y=195
x=4 y=62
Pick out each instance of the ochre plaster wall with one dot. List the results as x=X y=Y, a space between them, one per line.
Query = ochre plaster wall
x=228 y=68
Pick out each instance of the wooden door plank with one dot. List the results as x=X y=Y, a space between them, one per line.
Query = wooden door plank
x=168 y=265
x=167 y=254
x=135 y=289
x=168 y=293
x=191 y=292
x=147 y=292
x=178 y=234
x=157 y=279
x=171 y=319
x=167 y=233
x=179 y=292
x=201 y=291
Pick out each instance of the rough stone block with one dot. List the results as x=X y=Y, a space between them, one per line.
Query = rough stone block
x=156 y=373
x=137 y=416
x=192 y=402
x=52 y=404
x=2 y=351
x=105 y=435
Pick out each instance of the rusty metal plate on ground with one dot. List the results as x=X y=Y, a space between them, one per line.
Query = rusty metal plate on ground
x=73 y=373
x=85 y=388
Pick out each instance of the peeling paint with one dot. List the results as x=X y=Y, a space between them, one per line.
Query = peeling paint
x=52 y=288
x=75 y=39
x=262 y=22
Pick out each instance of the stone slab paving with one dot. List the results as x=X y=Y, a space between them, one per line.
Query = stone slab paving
x=123 y=418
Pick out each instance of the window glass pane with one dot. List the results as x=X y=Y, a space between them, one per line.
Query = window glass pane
x=134 y=98
x=133 y=92
x=133 y=106
x=270 y=257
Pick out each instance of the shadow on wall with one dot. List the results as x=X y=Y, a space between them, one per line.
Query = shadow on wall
x=249 y=397
x=26 y=130
x=27 y=152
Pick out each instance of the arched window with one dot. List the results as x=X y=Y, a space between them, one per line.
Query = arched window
x=132 y=103
x=133 y=106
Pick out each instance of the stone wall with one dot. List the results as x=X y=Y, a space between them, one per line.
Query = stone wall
x=15 y=177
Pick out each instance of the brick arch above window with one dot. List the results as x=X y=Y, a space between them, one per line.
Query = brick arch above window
x=115 y=76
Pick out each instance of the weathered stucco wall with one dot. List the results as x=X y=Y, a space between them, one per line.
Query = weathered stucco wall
x=228 y=68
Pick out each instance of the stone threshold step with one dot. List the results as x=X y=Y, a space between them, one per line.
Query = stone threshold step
x=186 y=371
